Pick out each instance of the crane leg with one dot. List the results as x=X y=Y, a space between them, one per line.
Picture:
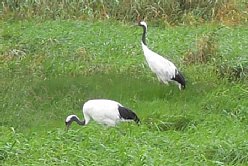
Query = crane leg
x=180 y=87
x=161 y=81
x=166 y=82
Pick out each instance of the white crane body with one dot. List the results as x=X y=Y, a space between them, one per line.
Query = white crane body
x=103 y=111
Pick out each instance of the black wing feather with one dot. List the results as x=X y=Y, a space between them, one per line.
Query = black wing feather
x=180 y=79
x=128 y=114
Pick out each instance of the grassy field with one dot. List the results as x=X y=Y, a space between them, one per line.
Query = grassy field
x=50 y=68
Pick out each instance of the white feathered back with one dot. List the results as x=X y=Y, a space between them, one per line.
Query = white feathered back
x=162 y=67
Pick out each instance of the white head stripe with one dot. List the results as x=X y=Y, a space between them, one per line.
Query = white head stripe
x=143 y=23
x=69 y=118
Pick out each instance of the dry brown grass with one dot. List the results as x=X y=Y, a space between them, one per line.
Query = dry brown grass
x=170 y=11
x=228 y=13
x=206 y=50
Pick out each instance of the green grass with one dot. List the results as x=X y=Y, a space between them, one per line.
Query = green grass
x=50 y=68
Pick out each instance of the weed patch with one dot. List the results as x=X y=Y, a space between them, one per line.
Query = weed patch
x=178 y=123
x=217 y=102
x=234 y=70
x=228 y=152
x=206 y=50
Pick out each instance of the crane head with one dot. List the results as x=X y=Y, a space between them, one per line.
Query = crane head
x=143 y=24
x=69 y=120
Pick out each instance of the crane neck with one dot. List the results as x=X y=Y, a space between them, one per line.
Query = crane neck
x=144 y=35
x=82 y=123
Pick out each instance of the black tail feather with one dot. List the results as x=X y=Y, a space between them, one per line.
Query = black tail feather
x=128 y=114
x=180 y=79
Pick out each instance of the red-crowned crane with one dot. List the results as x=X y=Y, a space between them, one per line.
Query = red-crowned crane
x=164 y=69
x=103 y=111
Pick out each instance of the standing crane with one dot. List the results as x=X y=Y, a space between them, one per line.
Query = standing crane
x=164 y=69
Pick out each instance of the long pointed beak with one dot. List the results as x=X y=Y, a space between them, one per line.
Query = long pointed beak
x=66 y=129
x=67 y=126
x=136 y=24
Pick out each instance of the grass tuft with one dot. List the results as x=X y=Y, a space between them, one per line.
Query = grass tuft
x=234 y=70
x=227 y=152
x=174 y=123
x=206 y=50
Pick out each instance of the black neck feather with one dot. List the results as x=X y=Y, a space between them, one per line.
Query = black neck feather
x=144 y=35
x=80 y=122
